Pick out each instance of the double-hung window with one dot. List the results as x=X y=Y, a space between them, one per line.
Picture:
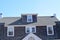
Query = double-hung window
x=10 y=31
x=29 y=18
x=50 y=30
x=30 y=29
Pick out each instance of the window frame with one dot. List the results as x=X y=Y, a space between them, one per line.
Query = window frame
x=30 y=29
x=10 y=29
x=29 y=17
x=51 y=29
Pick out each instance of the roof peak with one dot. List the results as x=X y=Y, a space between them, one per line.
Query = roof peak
x=29 y=14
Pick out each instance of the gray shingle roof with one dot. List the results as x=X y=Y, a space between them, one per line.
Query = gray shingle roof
x=41 y=20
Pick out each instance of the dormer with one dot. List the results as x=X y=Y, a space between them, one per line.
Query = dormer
x=29 y=18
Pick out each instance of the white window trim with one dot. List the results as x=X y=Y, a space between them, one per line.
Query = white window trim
x=8 y=30
x=30 y=29
x=30 y=17
x=52 y=30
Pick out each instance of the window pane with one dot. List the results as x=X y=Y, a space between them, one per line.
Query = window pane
x=29 y=18
x=50 y=30
x=10 y=33
x=28 y=30
x=33 y=29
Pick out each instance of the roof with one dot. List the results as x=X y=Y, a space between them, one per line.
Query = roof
x=41 y=21
x=29 y=14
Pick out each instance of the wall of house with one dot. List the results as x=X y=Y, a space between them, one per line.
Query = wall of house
x=1 y=31
x=58 y=29
x=34 y=18
x=24 y=18
x=19 y=33
x=41 y=32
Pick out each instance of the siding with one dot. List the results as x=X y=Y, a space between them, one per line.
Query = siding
x=18 y=35
x=24 y=19
x=34 y=18
x=58 y=29
x=42 y=33
x=1 y=31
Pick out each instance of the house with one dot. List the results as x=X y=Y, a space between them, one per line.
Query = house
x=29 y=27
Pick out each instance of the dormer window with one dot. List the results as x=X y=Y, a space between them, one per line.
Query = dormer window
x=29 y=18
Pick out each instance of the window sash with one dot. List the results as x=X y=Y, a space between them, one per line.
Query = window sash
x=29 y=18
x=30 y=29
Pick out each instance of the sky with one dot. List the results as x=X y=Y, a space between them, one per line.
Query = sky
x=14 y=8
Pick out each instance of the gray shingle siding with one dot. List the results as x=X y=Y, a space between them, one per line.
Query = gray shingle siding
x=1 y=31
x=19 y=33
x=41 y=32
x=24 y=19
x=34 y=18
x=58 y=28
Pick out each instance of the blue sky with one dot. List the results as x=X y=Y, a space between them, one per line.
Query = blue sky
x=15 y=8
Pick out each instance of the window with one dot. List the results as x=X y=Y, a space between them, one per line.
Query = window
x=28 y=29
x=50 y=30
x=31 y=29
x=29 y=18
x=10 y=31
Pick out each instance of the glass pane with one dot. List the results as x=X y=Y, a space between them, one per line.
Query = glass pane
x=28 y=30
x=33 y=29
x=29 y=20
x=50 y=30
x=10 y=33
